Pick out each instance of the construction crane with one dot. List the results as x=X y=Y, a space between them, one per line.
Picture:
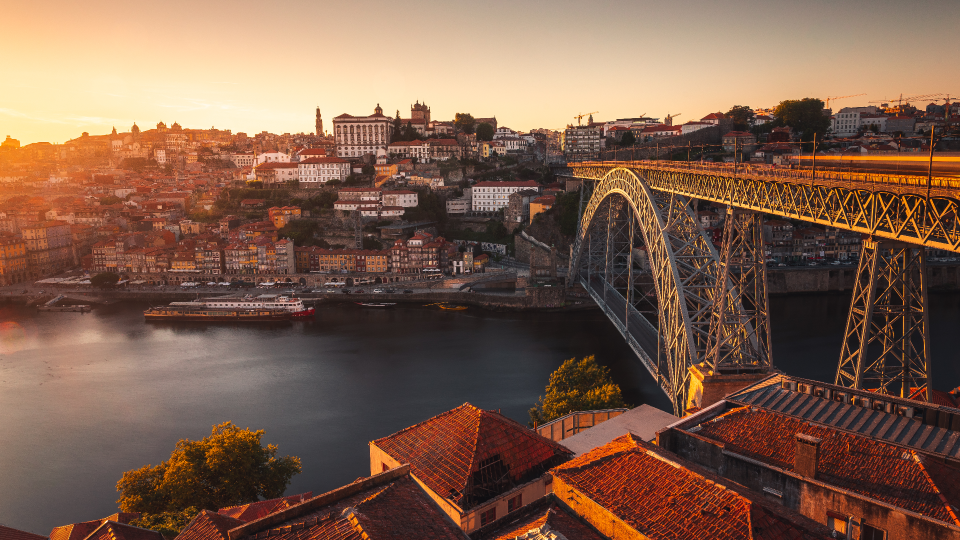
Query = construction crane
x=901 y=100
x=841 y=97
x=669 y=119
x=579 y=117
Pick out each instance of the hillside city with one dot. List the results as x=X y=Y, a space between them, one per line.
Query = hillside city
x=378 y=198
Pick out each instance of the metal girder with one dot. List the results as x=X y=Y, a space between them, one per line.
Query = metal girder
x=886 y=342
x=889 y=210
x=740 y=328
x=684 y=267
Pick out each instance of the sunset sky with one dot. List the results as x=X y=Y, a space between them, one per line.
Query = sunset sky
x=250 y=66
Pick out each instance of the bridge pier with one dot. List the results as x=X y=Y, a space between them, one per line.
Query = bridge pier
x=740 y=326
x=886 y=344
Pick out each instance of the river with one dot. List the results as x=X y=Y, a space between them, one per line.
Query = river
x=84 y=397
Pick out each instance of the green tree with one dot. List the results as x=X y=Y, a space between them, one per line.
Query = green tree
x=229 y=467
x=484 y=132
x=368 y=169
x=255 y=184
x=577 y=385
x=105 y=279
x=628 y=139
x=742 y=117
x=805 y=116
x=169 y=524
x=464 y=122
x=303 y=232
x=370 y=242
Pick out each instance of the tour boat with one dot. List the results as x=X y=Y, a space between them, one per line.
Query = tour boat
x=451 y=307
x=266 y=307
x=376 y=304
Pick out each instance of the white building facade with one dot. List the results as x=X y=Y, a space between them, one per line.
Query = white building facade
x=492 y=196
x=356 y=136
x=315 y=172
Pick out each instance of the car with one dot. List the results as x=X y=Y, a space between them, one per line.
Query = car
x=812 y=264
x=407 y=291
x=378 y=291
x=345 y=291
x=330 y=291
x=781 y=264
x=391 y=291
x=359 y=291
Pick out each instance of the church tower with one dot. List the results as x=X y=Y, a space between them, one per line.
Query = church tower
x=319 y=124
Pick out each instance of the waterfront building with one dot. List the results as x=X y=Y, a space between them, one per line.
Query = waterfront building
x=479 y=464
x=49 y=247
x=13 y=259
x=360 y=135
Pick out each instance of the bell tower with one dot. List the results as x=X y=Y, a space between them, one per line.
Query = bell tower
x=319 y=124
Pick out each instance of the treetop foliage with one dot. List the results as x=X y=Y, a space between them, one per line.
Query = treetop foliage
x=742 y=117
x=577 y=385
x=228 y=468
x=464 y=122
x=805 y=116
x=485 y=132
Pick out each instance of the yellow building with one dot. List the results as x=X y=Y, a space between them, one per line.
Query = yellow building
x=540 y=205
x=387 y=170
x=13 y=260
x=183 y=261
x=281 y=215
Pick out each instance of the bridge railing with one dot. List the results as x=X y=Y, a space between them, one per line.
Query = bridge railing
x=778 y=173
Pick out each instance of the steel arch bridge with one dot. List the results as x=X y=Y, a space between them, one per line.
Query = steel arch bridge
x=711 y=308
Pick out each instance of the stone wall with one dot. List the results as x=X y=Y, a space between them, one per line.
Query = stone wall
x=835 y=279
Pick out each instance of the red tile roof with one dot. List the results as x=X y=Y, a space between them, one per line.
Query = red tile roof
x=111 y=530
x=878 y=470
x=208 y=525
x=447 y=451
x=388 y=506
x=656 y=494
x=542 y=518
x=518 y=183
x=313 y=152
x=256 y=510
x=323 y=160
x=7 y=533
x=79 y=531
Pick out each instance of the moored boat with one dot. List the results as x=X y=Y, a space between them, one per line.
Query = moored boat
x=250 y=308
x=376 y=304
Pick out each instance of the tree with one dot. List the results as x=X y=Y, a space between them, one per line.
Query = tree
x=628 y=139
x=169 y=524
x=484 y=132
x=742 y=117
x=303 y=232
x=105 y=279
x=228 y=468
x=464 y=122
x=370 y=242
x=577 y=385
x=368 y=169
x=805 y=116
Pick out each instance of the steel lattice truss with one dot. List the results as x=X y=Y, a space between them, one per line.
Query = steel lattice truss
x=684 y=267
x=891 y=211
x=886 y=343
x=740 y=328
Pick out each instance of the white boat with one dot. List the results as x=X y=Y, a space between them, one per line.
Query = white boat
x=263 y=301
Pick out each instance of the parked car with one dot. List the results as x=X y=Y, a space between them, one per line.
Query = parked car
x=330 y=291
x=345 y=291
x=391 y=291
x=359 y=291
x=378 y=291
x=407 y=291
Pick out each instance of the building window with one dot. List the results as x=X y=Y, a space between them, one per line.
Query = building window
x=488 y=516
x=868 y=532
x=515 y=502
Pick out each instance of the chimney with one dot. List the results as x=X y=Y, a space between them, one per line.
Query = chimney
x=806 y=459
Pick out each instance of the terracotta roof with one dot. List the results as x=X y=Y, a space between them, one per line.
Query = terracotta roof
x=7 y=533
x=519 y=183
x=323 y=160
x=313 y=152
x=258 y=509
x=208 y=525
x=542 y=517
x=388 y=506
x=903 y=478
x=79 y=531
x=111 y=530
x=659 y=495
x=448 y=451
x=277 y=165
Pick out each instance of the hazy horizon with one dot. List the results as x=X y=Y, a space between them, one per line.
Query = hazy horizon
x=73 y=67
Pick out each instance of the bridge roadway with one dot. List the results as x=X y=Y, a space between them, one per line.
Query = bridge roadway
x=640 y=335
x=908 y=208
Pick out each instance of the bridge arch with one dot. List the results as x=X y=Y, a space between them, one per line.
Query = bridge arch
x=683 y=262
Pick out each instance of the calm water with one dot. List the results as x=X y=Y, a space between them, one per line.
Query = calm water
x=84 y=397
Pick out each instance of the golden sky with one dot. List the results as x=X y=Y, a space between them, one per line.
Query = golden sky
x=73 y=66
